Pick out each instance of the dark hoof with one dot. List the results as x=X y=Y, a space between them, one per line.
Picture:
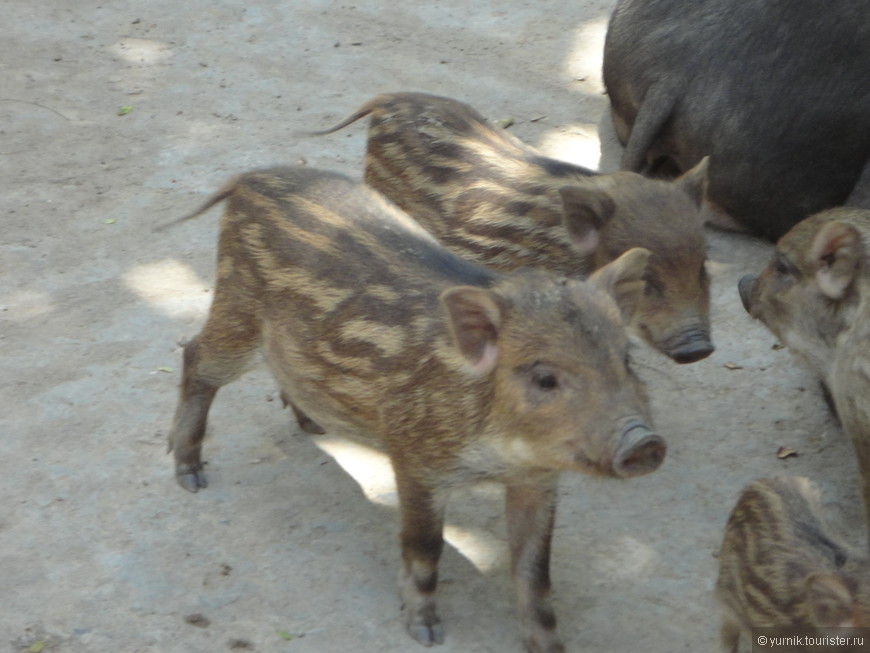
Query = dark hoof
x=427 y=635
x=424 y=624
x=190 y=479
x=551 y=647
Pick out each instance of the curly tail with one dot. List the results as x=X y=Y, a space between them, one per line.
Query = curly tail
x=219 y=196
x=362 y=112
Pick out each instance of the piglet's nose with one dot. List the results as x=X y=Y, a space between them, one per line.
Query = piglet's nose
x=744 y=287
x=640 y=450
x=691 y=345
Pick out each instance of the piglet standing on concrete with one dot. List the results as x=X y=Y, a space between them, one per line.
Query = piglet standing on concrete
x=780 y=566
x=815 y=297
x=374 y=330
x=490 y=198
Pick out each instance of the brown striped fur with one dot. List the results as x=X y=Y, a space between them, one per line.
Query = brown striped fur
x=815 y=296
x=375 y=331
x=780 y=565
x=493 y=199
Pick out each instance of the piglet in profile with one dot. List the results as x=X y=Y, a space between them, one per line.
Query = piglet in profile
x=815 y=296
x=493 y=199
x=460 y=374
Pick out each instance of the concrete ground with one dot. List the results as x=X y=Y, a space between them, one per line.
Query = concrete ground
x=116 y=117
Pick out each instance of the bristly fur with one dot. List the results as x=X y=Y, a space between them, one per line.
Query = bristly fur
x=831 y=334
x=377 y=332
x=780 y=565
x=492 y=199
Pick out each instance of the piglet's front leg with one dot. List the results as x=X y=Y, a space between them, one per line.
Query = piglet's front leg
x=422 y=542
x=531 y=510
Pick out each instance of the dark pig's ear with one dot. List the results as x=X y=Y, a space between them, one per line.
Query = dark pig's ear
x=584 y=211
x=694 y=181
x=836 y=254
x=475 y=318
x=830 y=600
x=624 y=280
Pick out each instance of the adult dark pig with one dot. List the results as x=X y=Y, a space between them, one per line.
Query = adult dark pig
x=372 y=328
x=815 y=297
x=489 y=197
x=775 y=93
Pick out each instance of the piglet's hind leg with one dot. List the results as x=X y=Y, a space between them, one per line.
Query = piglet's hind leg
x=219 y=354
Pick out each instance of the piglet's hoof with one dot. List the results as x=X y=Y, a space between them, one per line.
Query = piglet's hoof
x=190 y=478
x=427 y=635
x=552 y=646
x=426 y=628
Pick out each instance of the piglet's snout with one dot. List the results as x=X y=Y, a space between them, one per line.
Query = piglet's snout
x=640 y=450
x=691 y=346
x=744 y=287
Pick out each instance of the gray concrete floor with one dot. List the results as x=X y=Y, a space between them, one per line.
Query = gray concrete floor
x=101 y=551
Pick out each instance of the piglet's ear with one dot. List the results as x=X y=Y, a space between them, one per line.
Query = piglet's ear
x=694 y=181
x=624 y=280
x=475 y=318
x=836 y=252
x=585 y=210
x=830 y=600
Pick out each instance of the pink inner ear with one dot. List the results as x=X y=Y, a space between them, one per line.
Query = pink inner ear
x=587 y=243
x=486 y=363
x=837 y=250
x=830 y=285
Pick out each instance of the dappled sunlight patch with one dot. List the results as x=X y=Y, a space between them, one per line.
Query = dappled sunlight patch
x=142 y=51
x=626 y=558
x=25 y=304
x=577 y=143
x=171 y=287
x=481 y=548
x=717 y=269
x=584 y=60
x=370 y=468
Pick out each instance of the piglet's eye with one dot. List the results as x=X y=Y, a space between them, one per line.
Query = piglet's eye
x=654 y=287
x=781 y=266
x=546 y=381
